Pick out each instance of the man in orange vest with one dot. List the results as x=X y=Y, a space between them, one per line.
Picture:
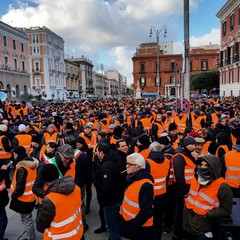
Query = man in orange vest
x=231 y=169
x=209 y=199
x=159 y=168
x=22 y=198
x=136 y=211
x=54 y=219
x=183 y=168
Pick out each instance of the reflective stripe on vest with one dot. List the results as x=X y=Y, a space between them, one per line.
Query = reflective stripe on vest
x=232 y=174
x=2 y=185
x=202 y=200
x=130 y=207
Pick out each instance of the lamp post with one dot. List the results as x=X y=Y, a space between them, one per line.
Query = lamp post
x=157 y=33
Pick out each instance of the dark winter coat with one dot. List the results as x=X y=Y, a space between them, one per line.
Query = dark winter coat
x=47 y=210
x=4 y=199
x=197 y=224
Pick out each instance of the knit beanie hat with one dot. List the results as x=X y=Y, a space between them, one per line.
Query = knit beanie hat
x=144 y=139
x=187 y=141
x=49 y=173
x=164 y=139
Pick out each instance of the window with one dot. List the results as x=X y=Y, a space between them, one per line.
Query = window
x=224 y=29
x=204 y=65
x=190 y=66
x=14 y=44
x=172 y=80
x=37 y=66
x=223 y=78
x=6 y=60
x=232 y=22
x=157 y=83
x=231 y=93
x=4 y=41
x=239 y=16
x=142 y=68
x=15 y=64
x=172 y=66
x=37 y=83
x=230 y=76
x=142 y=82
x=23 y=66
x=22 y=47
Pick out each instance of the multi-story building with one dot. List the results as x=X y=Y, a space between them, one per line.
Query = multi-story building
x=100 y=84
x=72 y=80
x=85 y=67
x=14 y=61
x=147 y=60
x=46 y=50
x=229 y=67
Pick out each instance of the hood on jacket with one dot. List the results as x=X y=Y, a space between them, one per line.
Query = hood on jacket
x=64 y=185
x=29 y=161
x=214 y=165
x=157 y=157
x=139 y=175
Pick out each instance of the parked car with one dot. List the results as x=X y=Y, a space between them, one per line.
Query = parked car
x=194 y=96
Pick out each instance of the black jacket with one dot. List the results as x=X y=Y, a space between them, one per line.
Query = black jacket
x=4 y=199
x=108 y=183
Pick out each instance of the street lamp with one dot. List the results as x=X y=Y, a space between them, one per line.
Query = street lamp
x=157 y=32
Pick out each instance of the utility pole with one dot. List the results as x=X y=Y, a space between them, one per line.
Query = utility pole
x=186 y=51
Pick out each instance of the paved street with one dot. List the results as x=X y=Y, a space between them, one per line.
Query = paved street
x=15 y=228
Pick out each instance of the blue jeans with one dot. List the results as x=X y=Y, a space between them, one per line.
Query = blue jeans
x=111 y=214
x=3 y=222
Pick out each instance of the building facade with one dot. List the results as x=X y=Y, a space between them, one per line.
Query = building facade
x=85 y=67
x=229 y=67
x=14 y=61
x=149 y=66
x=46 y=53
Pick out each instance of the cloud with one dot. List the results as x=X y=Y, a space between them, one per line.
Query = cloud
x=98 y=29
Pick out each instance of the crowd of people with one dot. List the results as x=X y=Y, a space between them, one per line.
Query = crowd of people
x=156 y=169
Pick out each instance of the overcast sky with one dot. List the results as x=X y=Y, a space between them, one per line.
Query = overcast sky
x=108 y=32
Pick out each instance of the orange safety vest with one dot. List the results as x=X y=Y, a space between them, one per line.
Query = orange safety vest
x=159 y=172
x=167 y=122
x=206 y=147
x=67 y=223
x=146 y=123
x=145 y=153
x=232 y=175
x=160 y=128
x=50 y=138
x=234 y=140
x=201 y=201
x=90 y=142
x=224 y=147
x=214 y=119
x=188 y=168
x=3 y=153
x=25 y=110
x=181 y=123
x=104 y=127
x=12 y=111
x=28 y=195
x=130 y=207
x=196 y=123
x=24 y=140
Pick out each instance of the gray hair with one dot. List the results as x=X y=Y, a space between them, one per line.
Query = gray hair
x=155 y=147
x=138 y=159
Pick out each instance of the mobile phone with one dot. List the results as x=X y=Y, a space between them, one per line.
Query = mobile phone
x=9 y=164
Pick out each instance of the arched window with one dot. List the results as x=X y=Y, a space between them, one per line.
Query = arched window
x=25 y=90
x=9 y=93
x=17 y=91
x=1 y=85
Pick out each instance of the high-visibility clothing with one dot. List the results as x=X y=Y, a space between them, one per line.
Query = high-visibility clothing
x=188 y=168
x=224 y=147
x=28 y=195
x=12 y=109
x=50 y=138
x=18 y=112
x=2 y=185
x=3 y=153
x=181 y=123
x=234 y=140
x=42 y=151
x=159 y=172
x=71 y=172
x=90 y=142
x=104 y=127
x=201 y=201
x=25 y=110
x=196 y=123
x=113 y=140
x=130 y=206
x=145 y=153
x=232 y=175
x=214 y=119
x=24 y=140
x=67 y=223
x=160 y=128
x=77 y=153
x=206 y=147
x=146 y=123
x=167 y=122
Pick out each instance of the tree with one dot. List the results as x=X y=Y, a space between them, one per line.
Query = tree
x=205 y=80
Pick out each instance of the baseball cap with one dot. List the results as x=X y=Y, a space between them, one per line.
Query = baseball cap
x=67 y=151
